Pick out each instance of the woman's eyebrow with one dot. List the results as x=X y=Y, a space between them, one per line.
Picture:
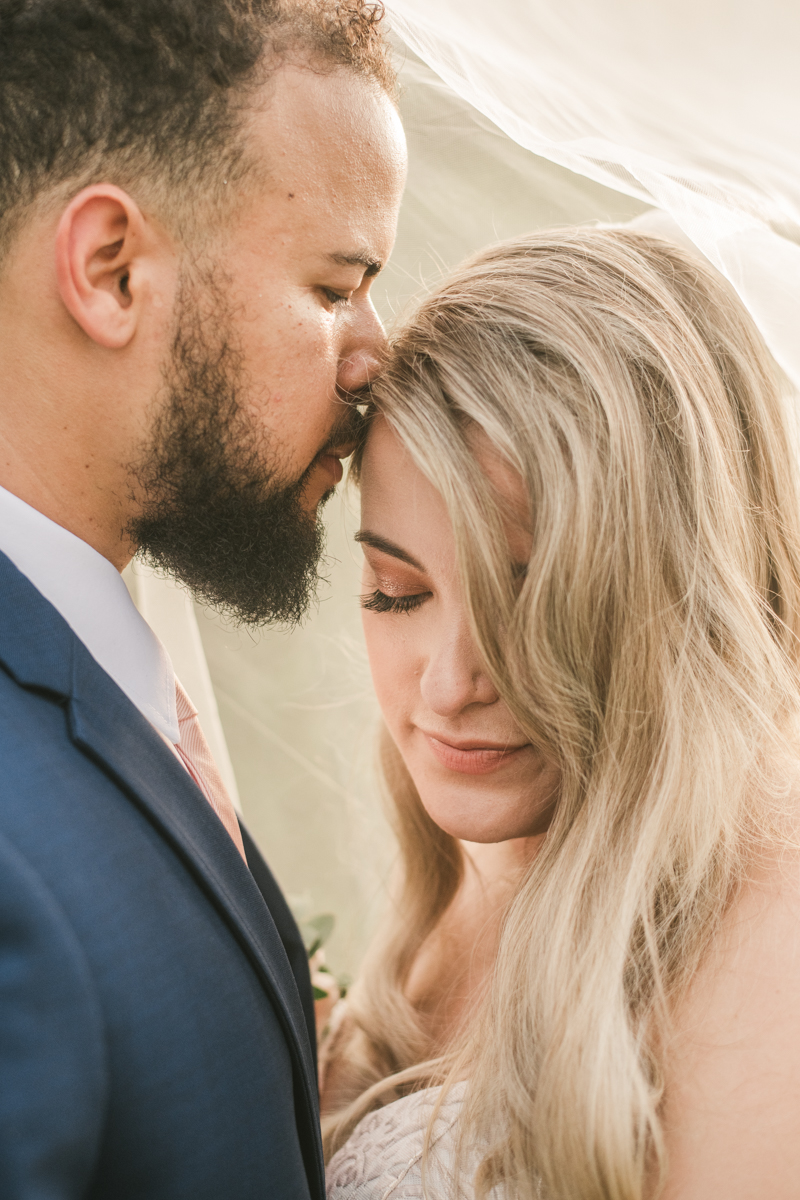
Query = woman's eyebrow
x=367 y=538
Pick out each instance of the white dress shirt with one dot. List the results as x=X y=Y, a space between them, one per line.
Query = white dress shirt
x=91 y=596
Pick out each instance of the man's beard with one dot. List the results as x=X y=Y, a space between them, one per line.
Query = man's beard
x=214 y=511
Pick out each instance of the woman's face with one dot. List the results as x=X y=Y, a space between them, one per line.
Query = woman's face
x=478 y=776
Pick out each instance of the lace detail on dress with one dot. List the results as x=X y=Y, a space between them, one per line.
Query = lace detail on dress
x=382 y=1158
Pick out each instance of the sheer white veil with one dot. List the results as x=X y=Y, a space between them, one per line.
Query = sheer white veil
x=692 y=106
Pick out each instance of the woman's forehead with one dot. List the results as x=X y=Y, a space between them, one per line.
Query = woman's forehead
x=398 y=496
x=394 y=491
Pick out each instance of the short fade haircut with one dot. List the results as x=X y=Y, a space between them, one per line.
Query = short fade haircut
x=149 y=93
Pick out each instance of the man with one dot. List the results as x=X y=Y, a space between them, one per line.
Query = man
x=194 y=198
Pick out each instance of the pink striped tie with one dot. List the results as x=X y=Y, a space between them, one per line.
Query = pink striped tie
x=194 y=751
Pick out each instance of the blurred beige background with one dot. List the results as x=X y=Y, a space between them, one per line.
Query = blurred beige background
x=297 y=710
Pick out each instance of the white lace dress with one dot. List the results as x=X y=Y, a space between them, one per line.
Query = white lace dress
x=382 y=1158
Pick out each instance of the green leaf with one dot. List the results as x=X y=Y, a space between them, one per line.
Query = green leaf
x=324 y=925
x=343 y=982
x=319 y=994
x=317 y=931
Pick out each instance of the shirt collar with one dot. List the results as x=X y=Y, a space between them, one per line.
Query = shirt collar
x=91 y=596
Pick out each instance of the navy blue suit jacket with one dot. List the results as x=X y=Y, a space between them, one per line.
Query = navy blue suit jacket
x=156 y=1020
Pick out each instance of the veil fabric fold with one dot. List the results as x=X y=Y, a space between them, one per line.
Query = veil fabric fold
x=691 y=107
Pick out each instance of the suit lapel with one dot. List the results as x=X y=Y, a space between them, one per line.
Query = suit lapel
x=288 y=932
x=41 y=651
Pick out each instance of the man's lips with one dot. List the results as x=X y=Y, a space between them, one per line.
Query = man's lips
x=471 y=757
x=331 y=463
x=329 y=458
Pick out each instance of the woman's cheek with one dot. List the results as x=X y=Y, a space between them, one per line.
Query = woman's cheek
x=392 y=670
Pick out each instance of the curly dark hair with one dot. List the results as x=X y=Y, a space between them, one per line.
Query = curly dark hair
x=135 y=90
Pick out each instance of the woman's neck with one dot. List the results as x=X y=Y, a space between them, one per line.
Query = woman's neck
x=454 y=964
x=498 y=862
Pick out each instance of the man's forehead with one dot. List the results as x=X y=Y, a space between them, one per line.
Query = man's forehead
x=334 y=170
x=329 y=129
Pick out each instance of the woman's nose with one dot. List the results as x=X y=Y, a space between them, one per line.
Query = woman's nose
x=363 y=350
x=454 y=676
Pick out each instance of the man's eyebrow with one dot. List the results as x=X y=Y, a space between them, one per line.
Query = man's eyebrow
x=366 y=538
x=361 y=258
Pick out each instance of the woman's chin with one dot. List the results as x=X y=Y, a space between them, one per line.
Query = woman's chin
x=489 y=808
x=481 y=819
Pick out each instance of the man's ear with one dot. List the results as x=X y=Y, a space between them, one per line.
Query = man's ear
x=100 y=246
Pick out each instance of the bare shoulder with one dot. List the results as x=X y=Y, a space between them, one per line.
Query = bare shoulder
x=732 y=1109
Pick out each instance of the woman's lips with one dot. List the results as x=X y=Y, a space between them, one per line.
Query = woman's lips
x=472 y=758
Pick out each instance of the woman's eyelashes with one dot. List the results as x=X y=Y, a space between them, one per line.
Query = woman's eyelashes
x=379 y=602
x=393 y=587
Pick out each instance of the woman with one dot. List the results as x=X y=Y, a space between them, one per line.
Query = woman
x=582 y=607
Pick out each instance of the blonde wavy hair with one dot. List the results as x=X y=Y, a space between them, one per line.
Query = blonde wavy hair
x=652 y=651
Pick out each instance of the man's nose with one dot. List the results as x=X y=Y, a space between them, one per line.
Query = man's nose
x=363 y=352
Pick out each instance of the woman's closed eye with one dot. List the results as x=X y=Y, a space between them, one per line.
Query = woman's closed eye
x=395 y=584
x=380 y=602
